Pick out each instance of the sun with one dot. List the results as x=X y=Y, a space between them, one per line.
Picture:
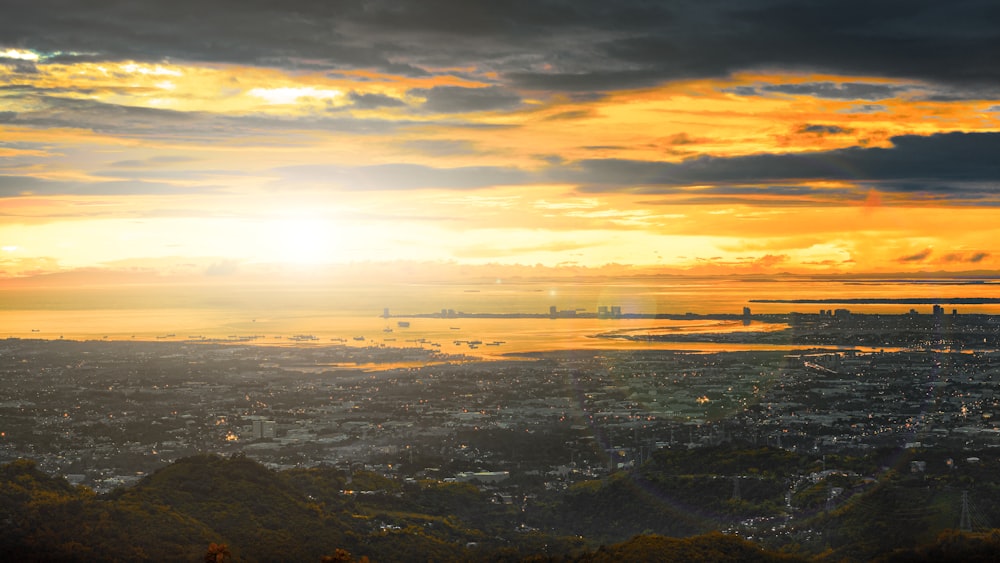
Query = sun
x=307 y=241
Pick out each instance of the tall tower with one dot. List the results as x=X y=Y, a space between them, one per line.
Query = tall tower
x=972 y=519
x=965 y=521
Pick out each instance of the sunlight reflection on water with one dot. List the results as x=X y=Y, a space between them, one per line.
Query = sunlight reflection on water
x=352 y=315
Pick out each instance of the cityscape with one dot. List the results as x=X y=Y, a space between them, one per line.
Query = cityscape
x=381 y=281
x=917 y=403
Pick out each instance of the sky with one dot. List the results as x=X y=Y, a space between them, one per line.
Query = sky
x=215 y=139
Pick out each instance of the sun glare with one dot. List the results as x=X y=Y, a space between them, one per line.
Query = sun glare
x=307 y=241
x=292 y=95
x=19 y=54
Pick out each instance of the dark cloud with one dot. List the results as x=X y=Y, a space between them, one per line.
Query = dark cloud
x=952 y=93
x=918 y=257
x=952 y=168
x=830 y=90
x=28 y=90
x=948 y=166
x=714 y=198
x=823 y=129
x=57 y=112
x=19 y=66
x=769 y=195
x=455 y=99
x=373 y=101
x=129 y=121
x=867 y=108
x=583 y=45
x=598 y=80
x=973 y=258
x=920 y=40
x=15 y=185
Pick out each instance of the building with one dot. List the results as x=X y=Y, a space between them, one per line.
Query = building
x=483 y=476
x=262 y=429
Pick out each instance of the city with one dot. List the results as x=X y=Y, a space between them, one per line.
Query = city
x=537 y=281
x=107 y=414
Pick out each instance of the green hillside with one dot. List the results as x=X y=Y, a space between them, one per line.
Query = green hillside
x=660 y=511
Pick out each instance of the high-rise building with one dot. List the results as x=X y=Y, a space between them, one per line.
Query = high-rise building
x=263 y=429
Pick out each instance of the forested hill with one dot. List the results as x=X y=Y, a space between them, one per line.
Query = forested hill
x=296 y=515
x=234 y=509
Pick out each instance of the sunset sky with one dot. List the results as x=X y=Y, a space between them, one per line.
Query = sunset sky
x=217 y=138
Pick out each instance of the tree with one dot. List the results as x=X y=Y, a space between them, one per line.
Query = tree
x=343 y=556
x=217 y=553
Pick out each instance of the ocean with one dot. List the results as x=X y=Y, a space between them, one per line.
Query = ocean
x=309 y=315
